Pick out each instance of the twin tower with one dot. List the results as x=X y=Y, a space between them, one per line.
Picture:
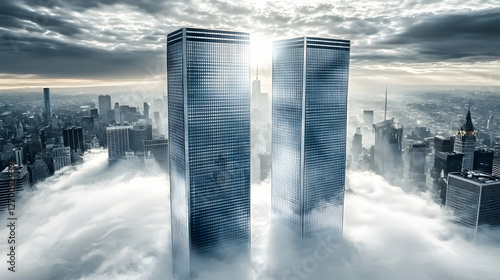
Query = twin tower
x=209 y=133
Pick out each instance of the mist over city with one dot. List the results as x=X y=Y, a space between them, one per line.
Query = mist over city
x=250 y=140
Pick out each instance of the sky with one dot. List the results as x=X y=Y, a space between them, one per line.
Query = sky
x=89 y=222
x=111 y=45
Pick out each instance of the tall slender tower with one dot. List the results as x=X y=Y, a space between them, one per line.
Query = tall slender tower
x=46 y=102
x=104 y=106
x=310 y=79
x=209 y=134
x=465 y=142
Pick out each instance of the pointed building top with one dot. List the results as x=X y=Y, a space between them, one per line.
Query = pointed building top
x=468 y=126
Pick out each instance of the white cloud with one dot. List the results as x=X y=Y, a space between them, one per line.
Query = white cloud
x=91 y=222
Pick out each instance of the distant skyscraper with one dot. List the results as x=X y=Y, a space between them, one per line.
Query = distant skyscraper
x=21 y=180
x=104 y=106
x=474 y=199
x=388 y=157
x=357 y=144
x=368 y=117
x=465 y=143
x=46 y=101
x=61 y=156
x=138 y=134
x=94 y=113
x=18 y=155
x=483 y=161
x=414 y=164
x=209 y=138
x=490 y=125
x=442 y=144
x=38 y=170
x=158 y=148
x=310 y=79
x=146 y=110
x=118 y=142
x=73 y=138
x=118 y=113
x=94 y=143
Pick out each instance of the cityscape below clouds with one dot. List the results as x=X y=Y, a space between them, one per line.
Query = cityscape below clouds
x=256 y=140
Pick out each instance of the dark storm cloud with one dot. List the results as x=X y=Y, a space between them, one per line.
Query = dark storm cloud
x=112 y=38
x=472 y=36
x=150 y=6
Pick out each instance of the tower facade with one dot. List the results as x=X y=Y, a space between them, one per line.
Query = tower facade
x=46 y=102
x=310 y=79
x=465 y=143
x=209 y=142
x=473 y=198
x=73 y=138
x=118 y=142
x=388 y=146
x=158 y=149
x=61 y=157
x=13 y=179
x=104 y=106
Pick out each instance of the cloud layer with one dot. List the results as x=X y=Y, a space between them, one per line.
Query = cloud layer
x=110 y=39
x=91 y=222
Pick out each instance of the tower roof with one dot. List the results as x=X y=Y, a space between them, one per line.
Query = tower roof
x=468 y=126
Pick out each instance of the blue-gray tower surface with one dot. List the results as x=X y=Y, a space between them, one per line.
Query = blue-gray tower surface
x=209 y=134
x=310 y=79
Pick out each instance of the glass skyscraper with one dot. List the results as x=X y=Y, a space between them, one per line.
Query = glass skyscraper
x=310 y=78
x=209 y=135
x=474 y=199
x=46 y=102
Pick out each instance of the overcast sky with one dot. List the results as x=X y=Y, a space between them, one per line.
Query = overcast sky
x=83 y=43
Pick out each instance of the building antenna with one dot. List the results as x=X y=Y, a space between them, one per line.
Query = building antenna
x=257 y=71
x=385 y=112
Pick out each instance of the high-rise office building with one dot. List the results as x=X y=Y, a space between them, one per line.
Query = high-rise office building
x=20 y=180
x=474 y=199
x=137 y=135
x=388 y=141
x=158 y=148
x=146 y=110
x=73 y=138
x=61 y=157
x=465 y=143
x=18 y=155
x=118 y=113
x=490 y=124
x=368 y=117
x=357 y=144
x=39 y=170
x=104 y=106
x=209 y=142
x=94 y=113
x=442 y=144
x=118 y=142
x=483 y=161
x=46 y=102
x=309 y=112
x=414 y=164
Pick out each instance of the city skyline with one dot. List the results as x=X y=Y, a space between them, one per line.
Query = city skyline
x=249 y=140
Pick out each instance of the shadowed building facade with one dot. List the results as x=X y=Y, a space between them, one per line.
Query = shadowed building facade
x=474 y=198
x=465 y=143
x=388 y=149
x=310 y=79
x=209 y=144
